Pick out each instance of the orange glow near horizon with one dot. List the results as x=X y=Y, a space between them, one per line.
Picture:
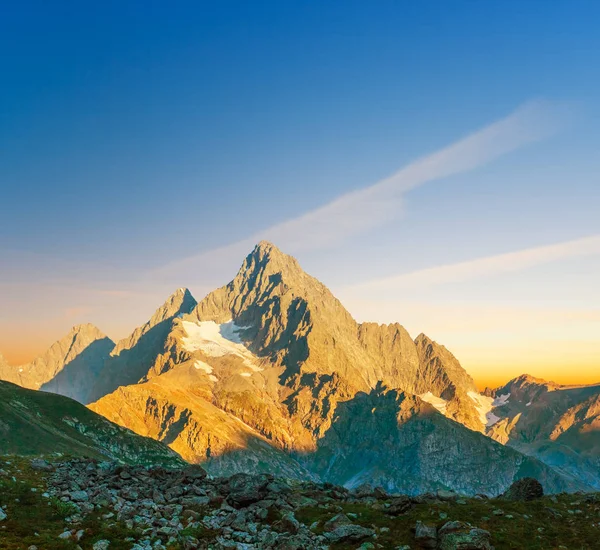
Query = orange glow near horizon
x=20 y=346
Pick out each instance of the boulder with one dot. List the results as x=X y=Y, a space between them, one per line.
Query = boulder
x=458 y=535
x=425 y=535
x=194 y=472
x=524 y=489
x=335 y=522
x=79 y=496
x=400 y=505
x=348 y=533
x=244 y=489
x=41 y=465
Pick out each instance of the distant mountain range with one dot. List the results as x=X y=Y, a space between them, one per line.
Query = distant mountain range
x=270 y=373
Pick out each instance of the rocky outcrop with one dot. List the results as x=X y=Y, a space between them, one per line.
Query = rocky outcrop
x=70 y=367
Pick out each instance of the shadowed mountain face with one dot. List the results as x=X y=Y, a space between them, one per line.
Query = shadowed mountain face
x=35 y=422
x=395 y=440
x=271 y=373
x=131 y=358
x=558 y=424
x=69 y=367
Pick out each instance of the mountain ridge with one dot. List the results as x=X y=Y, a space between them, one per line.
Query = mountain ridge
x=263 y=372
x=276 y=352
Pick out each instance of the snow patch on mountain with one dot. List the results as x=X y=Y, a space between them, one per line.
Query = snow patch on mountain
x=437 y=402
x=501 y=400
x=217 y=340
x=484 y=406
x=201 y=365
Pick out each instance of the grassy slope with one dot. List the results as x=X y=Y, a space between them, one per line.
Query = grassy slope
x=34 y=422
x=541 y=529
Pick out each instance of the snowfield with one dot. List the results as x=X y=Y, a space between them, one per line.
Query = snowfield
x=439 y=403
x=217 y=340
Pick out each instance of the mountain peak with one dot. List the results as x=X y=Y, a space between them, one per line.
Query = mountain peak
x=266 y=261
x=266 y=252
x=180 y=301
x=88 y=329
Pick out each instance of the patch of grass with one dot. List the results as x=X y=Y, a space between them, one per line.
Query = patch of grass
x=540 y=529
x=36 y=520
x=63 y=509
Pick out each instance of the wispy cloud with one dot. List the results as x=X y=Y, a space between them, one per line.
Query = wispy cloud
x=358 y=211
x=485 y=267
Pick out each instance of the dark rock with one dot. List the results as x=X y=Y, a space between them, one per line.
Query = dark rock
x=524 y=489
x=458 y=535
x=194 y=472
x=349 y=533
x=289 y=524
x=41 y=465
x=425 y=535
x=400 y=505
x=244 y=489
x=335 y=522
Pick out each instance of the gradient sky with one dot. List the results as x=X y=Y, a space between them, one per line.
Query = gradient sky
x=433 y=163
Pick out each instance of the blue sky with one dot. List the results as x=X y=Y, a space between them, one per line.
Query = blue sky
x=143 y=146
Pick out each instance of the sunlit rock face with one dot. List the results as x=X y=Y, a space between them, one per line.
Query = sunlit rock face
x=271 y=373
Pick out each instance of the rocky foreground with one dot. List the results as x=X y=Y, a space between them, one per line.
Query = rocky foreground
x=87 y=504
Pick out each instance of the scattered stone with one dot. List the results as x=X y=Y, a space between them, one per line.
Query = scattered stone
x=446 y=495
x=400 y=505
x=101 y=545
x=347 y=533
x=3 y=515
x=425 y=535
x=455 y=535
x=335 y=522
x=41 y=465
x=79 y=496
x=244 y=489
